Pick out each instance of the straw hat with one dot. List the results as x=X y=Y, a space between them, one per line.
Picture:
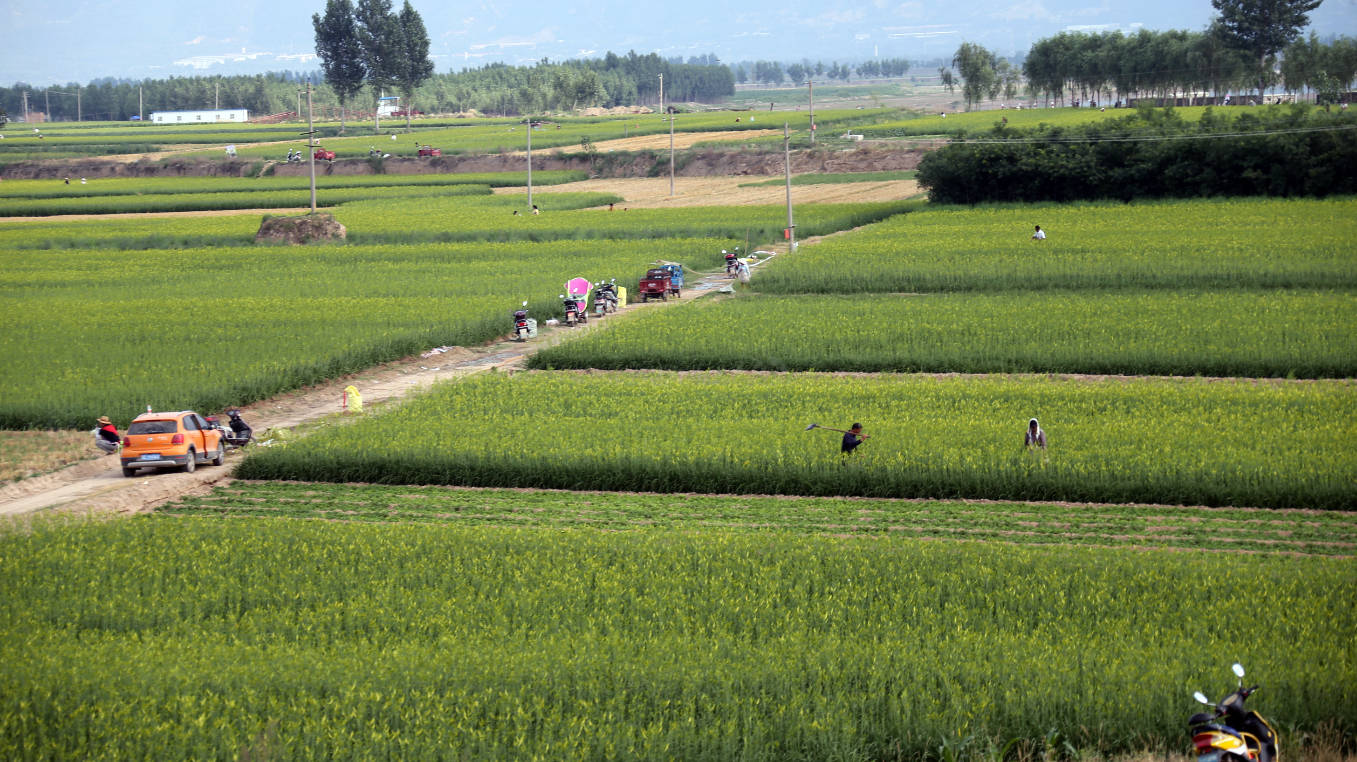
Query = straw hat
x=104 y=420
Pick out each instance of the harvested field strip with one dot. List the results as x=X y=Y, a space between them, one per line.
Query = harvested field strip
x=1275 y=531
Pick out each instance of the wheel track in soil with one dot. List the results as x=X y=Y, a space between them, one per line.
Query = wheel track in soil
x=97 y=486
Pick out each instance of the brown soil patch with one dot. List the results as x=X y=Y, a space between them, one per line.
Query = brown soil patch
x=653 y=192
x=24 y=454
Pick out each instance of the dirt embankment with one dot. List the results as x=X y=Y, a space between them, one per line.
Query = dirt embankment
x=640 y=160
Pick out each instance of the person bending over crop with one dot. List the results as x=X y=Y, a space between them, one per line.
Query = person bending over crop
x=1034 y=437
x=852 y=438
x=1040 y=235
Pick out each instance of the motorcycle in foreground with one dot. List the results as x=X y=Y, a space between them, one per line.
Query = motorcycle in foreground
x=1232 y=733
x=524 y=327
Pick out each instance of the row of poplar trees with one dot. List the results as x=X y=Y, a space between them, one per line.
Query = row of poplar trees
x=369 y=44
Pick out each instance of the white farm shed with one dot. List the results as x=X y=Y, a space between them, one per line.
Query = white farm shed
x=205 y=116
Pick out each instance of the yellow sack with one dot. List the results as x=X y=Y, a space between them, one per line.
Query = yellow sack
x=353 y=401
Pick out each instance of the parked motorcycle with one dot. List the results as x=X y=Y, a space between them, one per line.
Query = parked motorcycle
x=524 y=327
x=575 y=311
x=235 y=433
x=732 y=262
x=1232 y=733
x=605 y=297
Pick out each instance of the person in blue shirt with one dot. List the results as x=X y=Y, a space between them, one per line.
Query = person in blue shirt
x=852 y=438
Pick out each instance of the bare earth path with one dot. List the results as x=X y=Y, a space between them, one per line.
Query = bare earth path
x=653 y=192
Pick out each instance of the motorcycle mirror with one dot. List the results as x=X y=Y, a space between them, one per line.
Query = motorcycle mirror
x=525 y=304
x=1201 y=698
x=560 y=296
x=1238 y=669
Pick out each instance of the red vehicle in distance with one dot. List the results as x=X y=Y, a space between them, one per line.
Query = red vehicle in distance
x=323 y=155
x=430 y=151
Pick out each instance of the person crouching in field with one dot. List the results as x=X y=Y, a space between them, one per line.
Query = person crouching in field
x=1040 y=235
x=1034 y=437
x=106 y=436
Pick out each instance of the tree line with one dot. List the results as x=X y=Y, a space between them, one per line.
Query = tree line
x=500 y=89
x=1152 y=153
x=777 y=73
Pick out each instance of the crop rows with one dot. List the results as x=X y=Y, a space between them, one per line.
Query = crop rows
x=87 y=334
x=1228 y=333
x=1128 y=526
x=427 y=219
x=258 y=199
x=1255 y=243
x=1190 y=441
x=118 y=186
x=983 y=121
x=211 y=639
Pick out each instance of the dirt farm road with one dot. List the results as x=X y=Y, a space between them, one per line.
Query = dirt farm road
x=98 y=486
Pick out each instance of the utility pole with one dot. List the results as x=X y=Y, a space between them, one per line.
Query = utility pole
x=530 y=162
x=216 y=97
x=140 y=116
x=787 y=162
x=671 y=153
x=662 y=94
x=47 y=104
x=810 y=93
x=299 y=101
x=311 y=145
x=26 y=106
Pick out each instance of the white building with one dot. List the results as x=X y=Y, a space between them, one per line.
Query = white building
x=205 y=116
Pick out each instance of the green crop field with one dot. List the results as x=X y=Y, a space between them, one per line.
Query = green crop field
x=989 y=118
x=88 y=334
x=452 y=136
x=1203 y=244
x=199 y=638
x=426 y=219
x=1112 y=441
x=259 y=199
x=1303 y=334
x=130 y=233
x=121 y=186
x=1128 y=526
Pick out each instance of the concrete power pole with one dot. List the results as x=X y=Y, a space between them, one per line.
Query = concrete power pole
x=140 y=105
x=311 y=145
x=25 y=107
x=810 y=93
x=529 y=162
x=787 y=159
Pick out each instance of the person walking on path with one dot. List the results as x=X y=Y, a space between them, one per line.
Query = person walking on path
x=1034 y=436
x=1040 y=235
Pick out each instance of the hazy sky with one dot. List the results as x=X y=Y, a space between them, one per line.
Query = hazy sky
x=60 y=41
